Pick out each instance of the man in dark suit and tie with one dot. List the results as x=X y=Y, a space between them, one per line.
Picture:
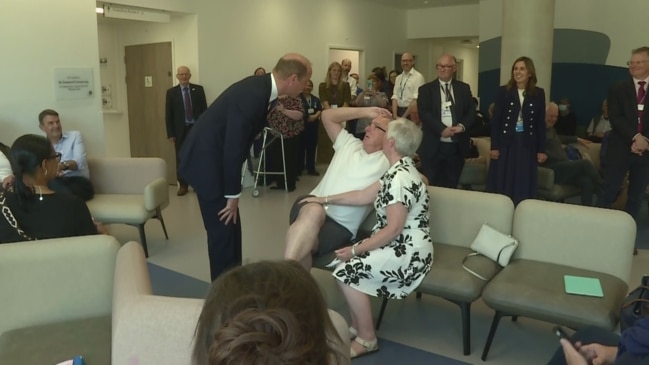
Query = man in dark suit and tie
x=628 y=144
x=218 y=145
x=446 y=111
x=185 y=103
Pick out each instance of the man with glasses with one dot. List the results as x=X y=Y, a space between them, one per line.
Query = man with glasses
x=628 y=143
x=184 y=104
x=319 y=229
x=446 y=111
x=406 y=86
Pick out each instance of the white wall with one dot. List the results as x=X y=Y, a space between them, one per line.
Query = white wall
x=36 y=37
x=447 y=21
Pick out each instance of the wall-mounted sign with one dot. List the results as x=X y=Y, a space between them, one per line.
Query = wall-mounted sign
x=73 y=83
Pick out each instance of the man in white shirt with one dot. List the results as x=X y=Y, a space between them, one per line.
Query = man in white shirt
x=356 y=164
x=404 y=97
x=347 y=67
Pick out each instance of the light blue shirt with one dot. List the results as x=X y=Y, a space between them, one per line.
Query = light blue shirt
x=71 y=148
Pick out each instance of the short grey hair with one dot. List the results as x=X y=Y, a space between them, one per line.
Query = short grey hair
x=406 y=134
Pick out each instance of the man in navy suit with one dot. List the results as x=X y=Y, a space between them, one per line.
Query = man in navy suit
x=185 y=103
x=218 y=145
x=628 y=144
x=446 y=111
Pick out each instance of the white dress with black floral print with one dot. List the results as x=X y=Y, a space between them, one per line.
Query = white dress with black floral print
x=396 y=269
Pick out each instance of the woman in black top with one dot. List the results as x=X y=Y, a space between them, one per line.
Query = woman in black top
x=37 y=212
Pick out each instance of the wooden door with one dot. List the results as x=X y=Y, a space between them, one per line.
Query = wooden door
x=148 y=76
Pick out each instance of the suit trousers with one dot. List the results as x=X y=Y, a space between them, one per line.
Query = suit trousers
x=445 y=168
x=308 y=144
x=580 y=173
x=223 y=241
x=178 y=145
x=614 y=174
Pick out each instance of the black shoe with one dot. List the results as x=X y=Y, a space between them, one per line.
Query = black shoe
x=314 y=173
x=276 y=187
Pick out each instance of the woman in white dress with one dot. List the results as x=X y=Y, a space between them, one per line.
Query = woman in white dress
x=393 y=261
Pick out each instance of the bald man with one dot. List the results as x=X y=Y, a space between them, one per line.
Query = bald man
x=446 y=111
x=185 y=103
x=406 y=86
x=218 y=145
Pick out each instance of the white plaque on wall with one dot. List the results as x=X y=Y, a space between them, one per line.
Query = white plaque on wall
x=73 y=83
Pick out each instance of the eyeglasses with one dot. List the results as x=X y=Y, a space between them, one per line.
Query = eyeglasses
x=636 y=63
x=376 y=126
x=444 y=67
x=57 y=156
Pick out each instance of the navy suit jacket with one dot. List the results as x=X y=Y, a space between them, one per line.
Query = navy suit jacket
x=175 y=108
x=507 y=107
x=429 y=107
x=219 y=143
x=623 y=114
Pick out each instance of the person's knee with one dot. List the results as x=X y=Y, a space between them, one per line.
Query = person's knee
x=311 y=214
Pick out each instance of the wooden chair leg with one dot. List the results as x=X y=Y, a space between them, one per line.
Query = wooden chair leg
x=383 y=305
x=158 y=215
x=140 y=228
x=492 y=333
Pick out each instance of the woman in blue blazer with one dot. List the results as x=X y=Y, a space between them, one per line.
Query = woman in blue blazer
x=517 y=134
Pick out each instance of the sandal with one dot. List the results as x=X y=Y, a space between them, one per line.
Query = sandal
x=368 y=346
x=353 y=332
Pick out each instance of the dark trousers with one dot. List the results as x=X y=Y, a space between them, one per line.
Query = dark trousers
x=308 y=144
x=580 y=173
x=291 y=149
x=223 y=242
x=445 y=168
x=400 y=111
x=614 y=173
x=587 y=336
x=179 y=144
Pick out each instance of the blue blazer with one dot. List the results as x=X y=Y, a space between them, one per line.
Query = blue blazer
x=220 y=141
x=507 y=107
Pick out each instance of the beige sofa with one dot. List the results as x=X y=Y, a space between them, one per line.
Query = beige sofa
x=87 y=296
x=129 y=191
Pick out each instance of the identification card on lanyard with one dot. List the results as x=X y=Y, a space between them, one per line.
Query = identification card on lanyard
x=519 y=123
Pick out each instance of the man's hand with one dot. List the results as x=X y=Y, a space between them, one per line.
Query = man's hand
x=457 y=129
x=598 y=354
x=375 y=112
x=494 y=154
x=541 y=157
x=573 y=357
x=172 y=139
x=584 y=142
x=229 y=213
x=448 y=132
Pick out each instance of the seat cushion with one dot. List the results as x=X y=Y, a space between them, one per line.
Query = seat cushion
x=536 y=289
x=119 y=208
x=54 y=343
x=447 y=278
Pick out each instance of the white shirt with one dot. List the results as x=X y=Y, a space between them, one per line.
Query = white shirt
x=406 y=87
x=71 y=147
x=351 y=168
x=446 y=117
x=352 y=84
x=5 y=167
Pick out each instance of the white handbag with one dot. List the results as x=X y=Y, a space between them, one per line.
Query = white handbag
x=493 y=244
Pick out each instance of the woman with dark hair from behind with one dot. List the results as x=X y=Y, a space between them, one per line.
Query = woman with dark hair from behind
x=32 y=210
x=270 y=313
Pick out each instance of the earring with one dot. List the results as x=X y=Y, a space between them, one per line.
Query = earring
x=40 y=193
x=45 y=173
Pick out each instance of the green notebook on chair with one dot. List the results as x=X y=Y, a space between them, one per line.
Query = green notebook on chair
x=583 y=286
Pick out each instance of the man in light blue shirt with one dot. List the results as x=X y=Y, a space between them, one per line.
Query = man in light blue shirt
x=73 y=175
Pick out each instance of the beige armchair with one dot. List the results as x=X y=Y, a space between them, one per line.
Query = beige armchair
x=129 y=191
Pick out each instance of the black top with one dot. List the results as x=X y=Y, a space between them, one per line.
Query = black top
x=57 y=215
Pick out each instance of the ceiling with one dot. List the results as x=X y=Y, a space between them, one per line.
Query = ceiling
x=417 y=4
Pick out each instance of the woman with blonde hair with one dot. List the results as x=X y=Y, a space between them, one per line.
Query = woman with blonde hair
x=334 y=92
x=270 y=313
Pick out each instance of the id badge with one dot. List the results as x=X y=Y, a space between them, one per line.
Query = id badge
x=519 y=125
x=447 y=104
x=640 y=107
x=446 y=112
x=334 y=106
x=311 y=111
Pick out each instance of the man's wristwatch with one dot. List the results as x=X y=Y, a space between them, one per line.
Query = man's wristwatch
x=66 y=166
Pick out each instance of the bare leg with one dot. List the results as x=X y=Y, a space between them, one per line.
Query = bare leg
x=361 y=312
x=302 y=235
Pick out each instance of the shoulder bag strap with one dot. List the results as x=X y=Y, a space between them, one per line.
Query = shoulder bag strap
x=6 y=212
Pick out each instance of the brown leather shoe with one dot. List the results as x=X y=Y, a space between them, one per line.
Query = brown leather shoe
x=182 y=191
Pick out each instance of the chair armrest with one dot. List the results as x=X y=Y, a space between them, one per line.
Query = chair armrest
x=156 y=194
x=545 y=178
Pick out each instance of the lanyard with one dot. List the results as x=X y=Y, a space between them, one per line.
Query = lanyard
x=403 y=84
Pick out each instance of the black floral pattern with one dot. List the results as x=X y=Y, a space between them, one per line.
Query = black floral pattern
x=396 y=269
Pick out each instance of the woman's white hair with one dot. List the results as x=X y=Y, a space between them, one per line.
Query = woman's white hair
x=406 y=135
